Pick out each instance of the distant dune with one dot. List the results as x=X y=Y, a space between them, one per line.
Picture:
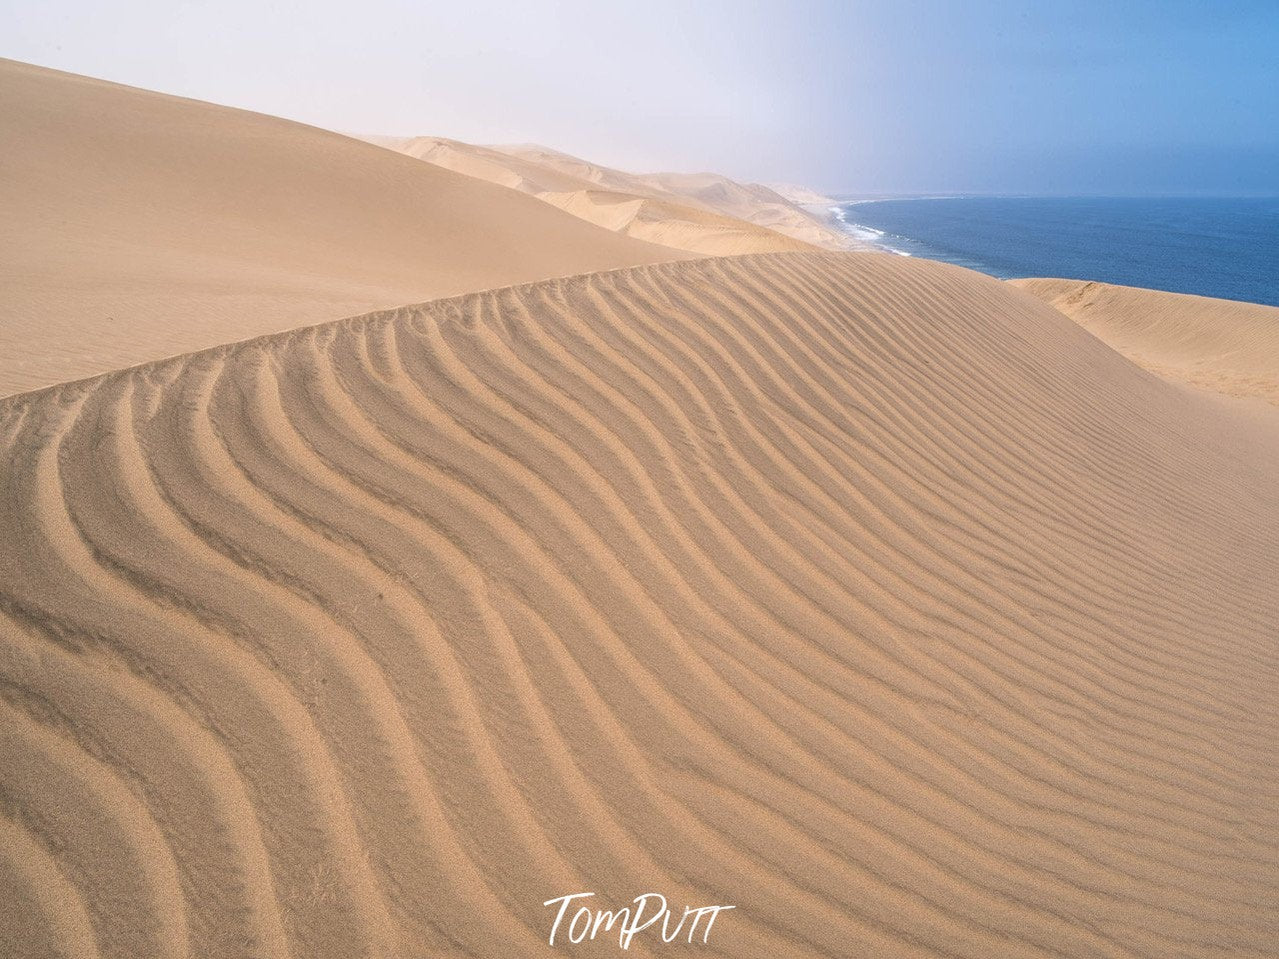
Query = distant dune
x=866 y=594
x=751 y=202
x=700 y=213
x=137 y=226
x=801 y=195
x=758 y=204
x=1221 y=345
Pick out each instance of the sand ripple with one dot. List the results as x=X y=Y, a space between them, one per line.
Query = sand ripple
x=865 y=594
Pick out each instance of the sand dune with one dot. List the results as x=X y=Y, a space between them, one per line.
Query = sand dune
x=1221 y=345
x=673 y=224
x=801 y=195
x=757 y=204
x=865 y=594
x=703 y=213
x=138 y=226
x=750 y=202
x=625 y=206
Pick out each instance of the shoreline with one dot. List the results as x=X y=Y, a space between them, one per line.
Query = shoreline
x=860 y=232
x=1129 y=241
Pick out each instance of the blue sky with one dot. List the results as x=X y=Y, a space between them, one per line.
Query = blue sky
x=868 y=97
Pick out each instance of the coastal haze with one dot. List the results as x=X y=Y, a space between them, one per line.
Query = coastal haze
x=408 y=527
x=1137 y=97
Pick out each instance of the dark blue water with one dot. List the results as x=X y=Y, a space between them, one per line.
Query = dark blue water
x=1210 y=246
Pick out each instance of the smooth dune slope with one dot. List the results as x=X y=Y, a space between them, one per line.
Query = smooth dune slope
x=636 y=210
x=137 y=225
x=1222 y=345
x=866 y=594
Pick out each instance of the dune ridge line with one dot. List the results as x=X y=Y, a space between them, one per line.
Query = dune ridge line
x=865 y=594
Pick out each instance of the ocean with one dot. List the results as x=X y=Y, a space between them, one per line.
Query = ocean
x=1211 y=246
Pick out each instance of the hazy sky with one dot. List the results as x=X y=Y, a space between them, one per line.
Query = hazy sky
x=891 y=96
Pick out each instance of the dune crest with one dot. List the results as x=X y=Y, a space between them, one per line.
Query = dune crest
x=700 y=213
x=137 y=225
x=1222 y=345
x=861 y=593
x=751 y=202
